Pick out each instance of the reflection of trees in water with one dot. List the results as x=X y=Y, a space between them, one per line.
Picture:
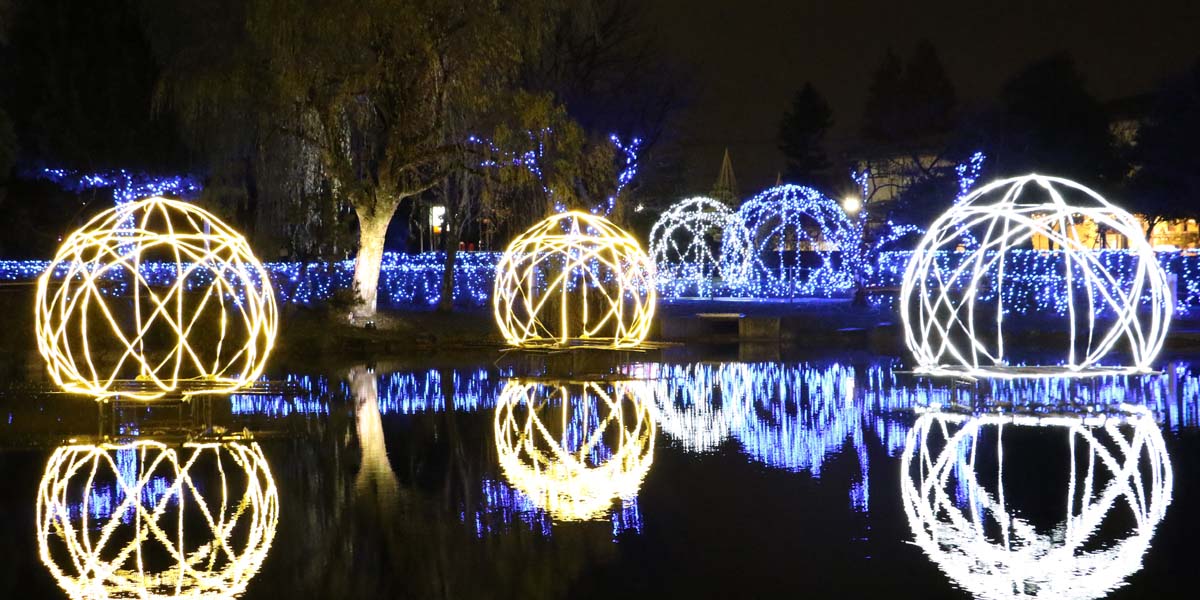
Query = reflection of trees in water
x=374 y=515
x=954 y=492
x=1174 y=395
x=375 y=485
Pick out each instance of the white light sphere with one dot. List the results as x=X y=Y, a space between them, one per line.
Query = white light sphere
x=155 y=297
x=574 y=279
x=684 y=244
x=143 y=519
x=953 y=476
x=957 y=296
x=575 y=447
x=761 y=249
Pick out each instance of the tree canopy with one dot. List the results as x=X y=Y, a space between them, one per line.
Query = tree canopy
x=909 y=103
x=1166 y=177
x=802 y=135
x=1049 y=123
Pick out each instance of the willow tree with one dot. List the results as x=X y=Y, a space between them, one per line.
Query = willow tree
x=379 y=91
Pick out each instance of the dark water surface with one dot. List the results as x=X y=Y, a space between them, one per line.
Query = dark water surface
x=837 y=477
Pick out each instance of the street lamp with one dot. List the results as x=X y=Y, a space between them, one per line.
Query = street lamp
x=851 y=204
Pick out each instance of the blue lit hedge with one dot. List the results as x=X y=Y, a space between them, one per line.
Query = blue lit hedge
x=414 y=280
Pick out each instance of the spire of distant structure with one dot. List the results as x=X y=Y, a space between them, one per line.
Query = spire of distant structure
x=725 y=189
x=778 y=178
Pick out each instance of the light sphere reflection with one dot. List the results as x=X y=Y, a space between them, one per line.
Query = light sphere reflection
x=575 y=448
x=147 y=520
x=975 y=533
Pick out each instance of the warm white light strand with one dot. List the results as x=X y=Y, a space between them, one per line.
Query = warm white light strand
x=574 y=278
x=96 y=294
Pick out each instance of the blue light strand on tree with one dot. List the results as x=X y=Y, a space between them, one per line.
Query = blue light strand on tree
x=531 y=159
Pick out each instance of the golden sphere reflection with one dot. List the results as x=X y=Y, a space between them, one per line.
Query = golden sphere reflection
x=574 y=448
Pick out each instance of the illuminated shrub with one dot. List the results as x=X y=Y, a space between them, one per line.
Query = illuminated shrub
x=789 y=241
x=960 y=286
x=147 y=520
x=1115 y=493
x=575 y=448
x=574 y=278
x=685 y=244
x=107 y=325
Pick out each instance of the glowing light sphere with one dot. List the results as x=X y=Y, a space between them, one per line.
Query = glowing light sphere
x=767 y=249
x=953 y=304
x=575 y=448
x=146 y=520
x=952 y=488
x=574 y=278
x=684 y=243
x=957 y=287
x=107 y=325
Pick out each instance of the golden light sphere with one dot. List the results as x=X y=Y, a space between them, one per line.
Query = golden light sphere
x=574 y=279
x=146 y=520
x=155 y=297
x=575 y=447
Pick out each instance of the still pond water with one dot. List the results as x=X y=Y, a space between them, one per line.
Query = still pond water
x=838 y=477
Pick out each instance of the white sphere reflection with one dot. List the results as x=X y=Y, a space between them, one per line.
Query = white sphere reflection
x=992 y=548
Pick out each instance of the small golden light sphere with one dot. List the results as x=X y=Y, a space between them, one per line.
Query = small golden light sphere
x=574 y=278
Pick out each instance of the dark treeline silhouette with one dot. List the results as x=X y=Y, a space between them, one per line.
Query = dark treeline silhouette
x=1041 y=119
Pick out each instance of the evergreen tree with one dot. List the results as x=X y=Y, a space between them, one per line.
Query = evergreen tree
x=910 y=103
x=802 y=135
x=1166 y=182
x=1050 y=123
x=928 y=98
x=881 y=112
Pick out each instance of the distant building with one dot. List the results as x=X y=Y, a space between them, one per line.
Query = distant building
x=725 y=189
x=890 y=174
x=1126 y=116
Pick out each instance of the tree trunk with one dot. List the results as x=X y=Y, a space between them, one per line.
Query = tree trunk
x=451 y=237
x=372 y=229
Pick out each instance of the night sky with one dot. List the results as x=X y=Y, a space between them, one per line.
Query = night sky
x=747 y=57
